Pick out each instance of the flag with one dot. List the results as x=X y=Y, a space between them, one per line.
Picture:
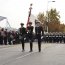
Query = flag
x=2 y=18
x=33 y=20
x=28 y=18
x=29 y=15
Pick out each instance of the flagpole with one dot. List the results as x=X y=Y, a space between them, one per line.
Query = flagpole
x=30 y=9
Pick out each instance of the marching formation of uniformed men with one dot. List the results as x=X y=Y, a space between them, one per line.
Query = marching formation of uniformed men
x=23 y=34
x=49 y=37
x=54 y=37
x=29 y=33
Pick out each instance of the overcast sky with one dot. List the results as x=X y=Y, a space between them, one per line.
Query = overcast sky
x=17 y=10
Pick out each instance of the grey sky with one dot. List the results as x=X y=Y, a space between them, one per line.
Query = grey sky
x=17 y=10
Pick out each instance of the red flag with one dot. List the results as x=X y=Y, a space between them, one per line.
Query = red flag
x=29 y=15
x=28 y=21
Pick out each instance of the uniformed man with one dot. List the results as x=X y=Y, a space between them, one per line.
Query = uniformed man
x=38 y=30
x=22 y=33
x=30 y=35
x=64 y=37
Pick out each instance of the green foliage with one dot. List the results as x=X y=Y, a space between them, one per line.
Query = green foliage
x=53 y=21
x=41 y=17
x=53 y=15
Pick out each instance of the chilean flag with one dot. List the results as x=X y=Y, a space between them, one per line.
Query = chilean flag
x=29 y=15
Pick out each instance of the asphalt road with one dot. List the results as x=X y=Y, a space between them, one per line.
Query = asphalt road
x=51 y=54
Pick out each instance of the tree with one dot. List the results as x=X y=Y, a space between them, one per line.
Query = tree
x=62 y=27
x=53 y=15
x=53 y=20
x=42 y=18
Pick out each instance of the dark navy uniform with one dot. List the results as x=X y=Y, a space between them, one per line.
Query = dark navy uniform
x=30 y=35
x=47 y=38
x=22 y=33
x=50 y=38
x=38 y=30
x=60 y=38
x=64 y=37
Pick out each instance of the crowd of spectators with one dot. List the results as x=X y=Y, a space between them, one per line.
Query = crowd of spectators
x=8 y=37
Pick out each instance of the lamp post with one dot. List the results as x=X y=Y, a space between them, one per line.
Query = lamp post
x=47 y=13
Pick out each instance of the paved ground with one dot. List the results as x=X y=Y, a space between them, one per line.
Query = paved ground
x=51 y=54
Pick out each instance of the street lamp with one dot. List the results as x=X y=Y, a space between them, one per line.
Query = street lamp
x=47 y=13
